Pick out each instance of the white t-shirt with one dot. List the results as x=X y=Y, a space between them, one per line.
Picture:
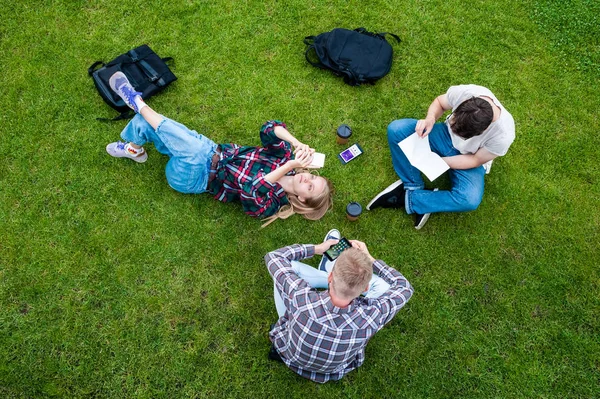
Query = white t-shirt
x=496 y=138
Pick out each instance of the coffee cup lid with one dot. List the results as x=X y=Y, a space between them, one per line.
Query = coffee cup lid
x=344 y=131
x=354 y=209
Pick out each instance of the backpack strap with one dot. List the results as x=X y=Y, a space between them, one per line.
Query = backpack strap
x=92 y=67
x=317 y=64
x=309 y=40
x=382 y=34
x=149 y=71
x=124 y=115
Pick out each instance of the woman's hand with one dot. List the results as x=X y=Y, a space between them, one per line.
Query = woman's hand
x=301 y=147
x=303 y=159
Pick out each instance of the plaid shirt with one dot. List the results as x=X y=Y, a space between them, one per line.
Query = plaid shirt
x=318 y=340
x=241 y=173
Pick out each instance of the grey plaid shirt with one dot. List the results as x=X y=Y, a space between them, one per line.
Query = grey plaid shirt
x=318 y=340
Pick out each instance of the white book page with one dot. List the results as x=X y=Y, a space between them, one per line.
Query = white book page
x=419 y=154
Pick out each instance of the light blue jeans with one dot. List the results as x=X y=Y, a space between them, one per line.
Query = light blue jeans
x=467 y=184
x=191 y=153
x=318 y=279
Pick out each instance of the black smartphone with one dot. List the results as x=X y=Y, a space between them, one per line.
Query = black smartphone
x=335 y=250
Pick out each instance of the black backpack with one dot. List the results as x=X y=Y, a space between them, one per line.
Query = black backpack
x=358 y=55
x=147 y=72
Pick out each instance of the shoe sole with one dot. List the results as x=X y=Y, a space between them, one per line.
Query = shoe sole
x=425 y=218
x=389 y=188
x=111 y=81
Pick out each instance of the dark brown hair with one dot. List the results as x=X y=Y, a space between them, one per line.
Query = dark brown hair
x=471 y=117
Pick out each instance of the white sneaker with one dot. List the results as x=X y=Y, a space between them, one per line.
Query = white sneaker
x=325 y=264
x=120 y=149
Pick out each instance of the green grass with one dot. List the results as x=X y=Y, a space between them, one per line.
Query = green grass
x=113 y=285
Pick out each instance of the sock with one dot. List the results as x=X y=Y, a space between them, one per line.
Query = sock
x=139 y=103
x=134 y=151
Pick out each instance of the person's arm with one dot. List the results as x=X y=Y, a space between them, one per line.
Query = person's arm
x=279 y=264
x=469 y=161
x=274 y=135
x=436 y=109
x=284 y=134
x=400 y=291
x=302 y=160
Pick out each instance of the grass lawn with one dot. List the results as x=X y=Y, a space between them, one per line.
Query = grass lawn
x=113 y=285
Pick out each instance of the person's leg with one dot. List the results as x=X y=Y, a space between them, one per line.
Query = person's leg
x=465 y=195
x=188 y=169
x=313 y=277
x=397 y=131
x=467 y=185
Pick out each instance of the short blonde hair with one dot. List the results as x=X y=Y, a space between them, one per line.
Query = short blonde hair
x=351 y=273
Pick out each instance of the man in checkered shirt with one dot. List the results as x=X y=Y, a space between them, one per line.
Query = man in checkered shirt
x=322 y=335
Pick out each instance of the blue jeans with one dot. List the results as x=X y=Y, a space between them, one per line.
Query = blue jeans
x=467 y=184
x=318 y=279
x=191 y=153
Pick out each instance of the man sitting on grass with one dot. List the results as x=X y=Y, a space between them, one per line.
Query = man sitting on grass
x=478 y=130
x=322 y=335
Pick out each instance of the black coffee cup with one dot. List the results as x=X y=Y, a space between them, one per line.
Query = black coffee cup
x=353 y=211
x=343 y=134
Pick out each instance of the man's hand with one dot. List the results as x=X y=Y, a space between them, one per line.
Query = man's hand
x=324 y=246
x=424 y=126
x=361 y=246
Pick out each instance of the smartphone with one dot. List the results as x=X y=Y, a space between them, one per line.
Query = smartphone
x=350 y=153
x=335 y=250
x=318 y=160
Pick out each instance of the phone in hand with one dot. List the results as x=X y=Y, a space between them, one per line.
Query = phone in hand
x=335 y=250
x=350 y=153
x=318 y=160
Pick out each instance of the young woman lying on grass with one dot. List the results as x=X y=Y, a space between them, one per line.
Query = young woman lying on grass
x=266 y=180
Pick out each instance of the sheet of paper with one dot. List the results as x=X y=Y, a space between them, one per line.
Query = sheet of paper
x=419 y=154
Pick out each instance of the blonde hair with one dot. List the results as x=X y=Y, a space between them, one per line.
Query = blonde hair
x=312 y=208
x=351 y=273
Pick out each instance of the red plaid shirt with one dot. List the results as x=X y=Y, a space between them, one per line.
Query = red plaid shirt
x=241 y=173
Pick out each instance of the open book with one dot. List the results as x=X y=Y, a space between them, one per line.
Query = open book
x=419 y=154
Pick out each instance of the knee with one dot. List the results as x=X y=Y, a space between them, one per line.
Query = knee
x=469 y=201
x=400 y=129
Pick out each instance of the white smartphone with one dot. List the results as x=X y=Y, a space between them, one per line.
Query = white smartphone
x=318 y=160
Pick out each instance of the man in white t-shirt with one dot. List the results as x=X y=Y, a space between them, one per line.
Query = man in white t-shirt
x=478 y=130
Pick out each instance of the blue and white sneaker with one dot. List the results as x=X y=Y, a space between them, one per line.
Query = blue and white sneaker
x=326 y=265
x=123 y=150
x=120 y=84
